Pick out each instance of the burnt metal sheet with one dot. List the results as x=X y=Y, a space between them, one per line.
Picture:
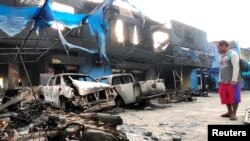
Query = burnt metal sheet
x=188 y=36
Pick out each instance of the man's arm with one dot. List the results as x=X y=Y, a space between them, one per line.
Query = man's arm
x=236 y=67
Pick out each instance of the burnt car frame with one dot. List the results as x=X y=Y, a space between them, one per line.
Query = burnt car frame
x=78 y=90
x=130 y=91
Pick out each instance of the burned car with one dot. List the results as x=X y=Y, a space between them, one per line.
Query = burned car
x=69 y=90
x=131 y=92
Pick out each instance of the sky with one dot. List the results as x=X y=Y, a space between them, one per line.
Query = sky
x=221 y=19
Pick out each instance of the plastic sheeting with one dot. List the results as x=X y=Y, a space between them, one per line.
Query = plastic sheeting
x=14 y=20
x=45 y=17
x=71 y=46
x=139 y=11
x=69 y=20
x=99 y=26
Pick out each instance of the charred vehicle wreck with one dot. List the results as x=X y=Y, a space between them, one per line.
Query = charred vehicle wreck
x=37 y=120
x=78 y=90
x=23 y=117
x=130 y=92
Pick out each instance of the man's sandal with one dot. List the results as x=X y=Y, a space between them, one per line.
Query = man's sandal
x=233 y=117
x=226 y=115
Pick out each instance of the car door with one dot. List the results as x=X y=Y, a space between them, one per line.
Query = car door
x=48 y=89
x=125 y=88
x=56 y=91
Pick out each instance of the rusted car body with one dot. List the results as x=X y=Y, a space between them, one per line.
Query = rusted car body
x=79 y=89
x=133 y=92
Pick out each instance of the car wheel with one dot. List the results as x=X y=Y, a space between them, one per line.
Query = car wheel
x=62 y=102
x=119 y=102
x=144 y=103
x=41 y=97
x=138 y=93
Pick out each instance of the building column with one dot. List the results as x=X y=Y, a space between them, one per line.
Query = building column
x=13 y=76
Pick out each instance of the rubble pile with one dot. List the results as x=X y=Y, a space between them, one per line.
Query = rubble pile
x=173 y=96
x=200 y=92
x=37 y=119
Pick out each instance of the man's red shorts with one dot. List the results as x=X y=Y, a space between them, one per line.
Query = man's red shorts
x=229 y=94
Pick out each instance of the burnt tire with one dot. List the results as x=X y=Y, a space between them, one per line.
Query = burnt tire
x=41 y=97
x=98 y=135
x=119 y=102
x=62 y=101
x=144 y=103
x=138 y=93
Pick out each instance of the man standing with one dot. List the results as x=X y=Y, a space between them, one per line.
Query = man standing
x=229 y=78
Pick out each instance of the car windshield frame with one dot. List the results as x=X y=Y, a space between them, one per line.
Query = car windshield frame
x=72 y=76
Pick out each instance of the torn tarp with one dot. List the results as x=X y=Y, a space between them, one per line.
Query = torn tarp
x=14 y=20
x=99 y=26
x=71 y=46
x=69 y=20
x=45 y=17
x=135 y=8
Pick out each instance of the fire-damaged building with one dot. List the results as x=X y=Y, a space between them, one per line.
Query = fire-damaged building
x=134 y=44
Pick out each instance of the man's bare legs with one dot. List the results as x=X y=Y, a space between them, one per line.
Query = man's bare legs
x=233 y=115
x=229 y=111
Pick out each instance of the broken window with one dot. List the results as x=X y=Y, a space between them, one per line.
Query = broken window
x=126 y=79
x=122 y=80
x=89 y=79
x=51 y=81
x=67 y=80
x=119 y=29
x=82 y=78
x=116 y=81
x=58 y=80
x=104 y=80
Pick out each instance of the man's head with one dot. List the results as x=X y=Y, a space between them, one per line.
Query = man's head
x=223 y=47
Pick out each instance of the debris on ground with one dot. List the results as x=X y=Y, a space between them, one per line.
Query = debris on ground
x=24 y=118
x=200 y=92
x=148 y=108
x=154 y=138
x=173 y=96
x=176 y=138
x=12 y=98
x=149 y=134
x=114 y=110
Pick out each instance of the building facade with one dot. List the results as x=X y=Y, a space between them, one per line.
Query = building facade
x=134 y=44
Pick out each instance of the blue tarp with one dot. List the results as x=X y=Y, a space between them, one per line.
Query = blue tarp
x=45 y=17
x=13 y=20
x=69 y=20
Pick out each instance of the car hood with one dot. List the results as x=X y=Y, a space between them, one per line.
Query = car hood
x=85 y=87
